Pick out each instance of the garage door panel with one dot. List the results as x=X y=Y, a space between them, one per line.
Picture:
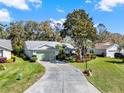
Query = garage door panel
x=45 y=55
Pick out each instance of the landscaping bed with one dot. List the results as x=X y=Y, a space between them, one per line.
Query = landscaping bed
x=107 y=74
x=19 y=75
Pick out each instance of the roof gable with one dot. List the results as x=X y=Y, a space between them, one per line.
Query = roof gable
x=104 y=45
x=6 y=44
x=31 y=45
x=43 y=47
x=113 y=46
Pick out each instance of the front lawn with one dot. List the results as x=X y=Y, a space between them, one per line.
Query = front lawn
x=108 y=74
x=29 y=72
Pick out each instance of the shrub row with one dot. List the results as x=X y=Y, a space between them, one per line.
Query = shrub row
x=32 y=59
x=5 y=60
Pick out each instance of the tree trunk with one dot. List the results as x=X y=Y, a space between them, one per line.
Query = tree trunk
x=80 y=54
x=86 y=65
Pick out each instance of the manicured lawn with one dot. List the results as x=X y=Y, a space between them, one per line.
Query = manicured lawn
x=108 y=74
x=30 y=72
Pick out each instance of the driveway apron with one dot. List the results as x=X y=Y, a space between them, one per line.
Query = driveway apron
x=62 y=78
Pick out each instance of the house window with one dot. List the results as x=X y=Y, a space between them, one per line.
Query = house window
x=112 y=51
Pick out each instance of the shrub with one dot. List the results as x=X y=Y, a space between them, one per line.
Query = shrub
x=22 y=55
x=2 y=67
x=9 y=60
x=13 y=58
x=61 y=57
x=93 y=56
x=71 y=59
x=3 y=59
x=119 y=55
x=34 y=58
x=19 y=76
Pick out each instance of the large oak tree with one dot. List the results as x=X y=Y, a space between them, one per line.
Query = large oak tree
x=80 y=28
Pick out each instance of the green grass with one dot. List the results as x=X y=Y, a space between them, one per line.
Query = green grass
x=108 y=74
x=31 y=72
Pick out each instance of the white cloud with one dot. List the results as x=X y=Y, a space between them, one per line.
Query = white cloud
x=88 y=1
x=108 y=5
x=55 y=22
x=4 y=15
x=60 y=10
x=36 y=3
x=20 y=4
x=95 y=25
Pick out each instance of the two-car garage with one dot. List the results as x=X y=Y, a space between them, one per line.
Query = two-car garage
x=45 y=55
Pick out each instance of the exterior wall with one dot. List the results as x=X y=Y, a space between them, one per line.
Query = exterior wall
x=122 y=51
x=89 y=50
x=1 y=53
x=111 y=51
x=29 y=53
x=56 y=52
x=100 y=52
x=7 y=54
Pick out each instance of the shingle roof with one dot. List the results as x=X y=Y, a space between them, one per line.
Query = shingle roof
x=103 y=45
x=6 y=44
x=31 y=45
x=68 y=45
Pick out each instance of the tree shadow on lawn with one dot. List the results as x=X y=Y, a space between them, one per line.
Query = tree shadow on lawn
x=115 y=62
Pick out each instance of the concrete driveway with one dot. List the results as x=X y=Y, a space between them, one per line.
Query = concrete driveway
x=62 y=78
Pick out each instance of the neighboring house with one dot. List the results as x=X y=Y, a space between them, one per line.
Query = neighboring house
x=106 y=49
x=44 y=50
x=5 y=48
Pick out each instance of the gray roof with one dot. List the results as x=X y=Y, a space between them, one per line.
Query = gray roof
x=104 y=45
x=68 y=45
x=31 y=45
x=6 y=44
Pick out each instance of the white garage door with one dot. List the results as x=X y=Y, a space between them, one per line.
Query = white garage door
x=45 y=55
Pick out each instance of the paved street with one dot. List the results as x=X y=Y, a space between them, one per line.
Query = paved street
x=62 y=78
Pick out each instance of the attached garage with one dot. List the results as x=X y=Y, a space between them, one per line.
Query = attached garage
x=45 y=55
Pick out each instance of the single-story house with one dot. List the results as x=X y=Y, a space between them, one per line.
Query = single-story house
x=44 y=50
x=5 y=48
x=106 y=49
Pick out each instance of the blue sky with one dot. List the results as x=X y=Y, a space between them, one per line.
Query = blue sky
x=108 y=12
